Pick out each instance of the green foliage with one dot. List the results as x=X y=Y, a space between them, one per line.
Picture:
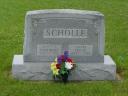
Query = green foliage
x=12 y=13
x=63 y=70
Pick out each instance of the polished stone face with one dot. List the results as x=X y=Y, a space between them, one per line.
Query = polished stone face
x=49 y=33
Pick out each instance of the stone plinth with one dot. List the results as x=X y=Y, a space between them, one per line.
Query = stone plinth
x=41 y=70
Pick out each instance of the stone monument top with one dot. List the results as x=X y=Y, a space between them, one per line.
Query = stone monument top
x=49 y=33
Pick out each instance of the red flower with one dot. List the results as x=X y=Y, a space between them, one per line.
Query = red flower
x=69 y=60
x=58 y=66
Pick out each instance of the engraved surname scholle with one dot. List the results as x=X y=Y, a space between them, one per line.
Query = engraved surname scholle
x=64 y=33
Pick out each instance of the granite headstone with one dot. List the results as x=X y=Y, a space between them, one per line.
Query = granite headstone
x=48 y=33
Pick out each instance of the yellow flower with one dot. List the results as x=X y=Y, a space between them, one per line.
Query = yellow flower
x=55 y=60
x=53 y=66
x=54 y=69
x=56 y=72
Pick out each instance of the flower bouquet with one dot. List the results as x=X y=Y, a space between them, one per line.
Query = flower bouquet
x=62 y=67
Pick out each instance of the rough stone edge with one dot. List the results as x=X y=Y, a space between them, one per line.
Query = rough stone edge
x=20 y=71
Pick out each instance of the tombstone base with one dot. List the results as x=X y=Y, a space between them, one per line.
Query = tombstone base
x=41 y=71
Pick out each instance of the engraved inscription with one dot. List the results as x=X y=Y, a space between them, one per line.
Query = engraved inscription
x=80 y=50
x=64 y=33
x=48 y=50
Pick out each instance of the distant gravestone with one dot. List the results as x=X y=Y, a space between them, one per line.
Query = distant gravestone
x=48 y=33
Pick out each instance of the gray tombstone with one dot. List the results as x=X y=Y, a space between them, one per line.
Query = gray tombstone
x=48 y=33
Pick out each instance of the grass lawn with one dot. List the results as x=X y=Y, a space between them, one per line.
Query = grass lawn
x=12 y=13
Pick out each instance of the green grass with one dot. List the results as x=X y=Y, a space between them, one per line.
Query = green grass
x=12 y=13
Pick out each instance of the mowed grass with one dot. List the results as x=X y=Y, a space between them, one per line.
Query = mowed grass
x=12 y=13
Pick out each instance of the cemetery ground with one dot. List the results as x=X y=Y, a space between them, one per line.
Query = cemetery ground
x=12 y=13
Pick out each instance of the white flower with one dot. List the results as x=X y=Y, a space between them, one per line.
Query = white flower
x=68 y=65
